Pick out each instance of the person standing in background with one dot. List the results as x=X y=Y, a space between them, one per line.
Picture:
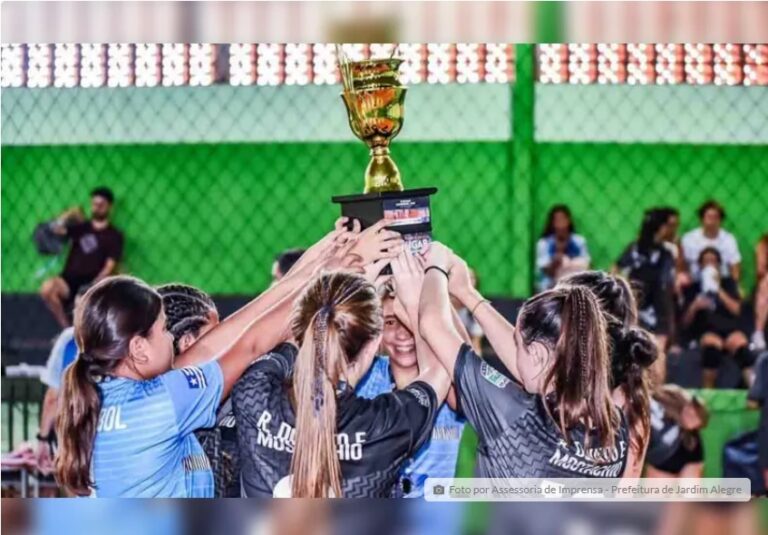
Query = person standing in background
x=761 y=293
x=710 y=234
x=650 y=266
x=96 y=248
x=559 y=251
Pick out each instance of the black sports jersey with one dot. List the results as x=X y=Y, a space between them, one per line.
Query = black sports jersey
x=220 y=446
x=375 y=436
x=666 y=446
x=653 y=273
x=517 y=437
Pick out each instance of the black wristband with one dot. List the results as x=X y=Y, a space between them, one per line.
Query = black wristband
x=441 y=270
x=46 y=438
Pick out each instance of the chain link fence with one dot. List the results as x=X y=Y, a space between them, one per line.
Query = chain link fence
x=221 y=156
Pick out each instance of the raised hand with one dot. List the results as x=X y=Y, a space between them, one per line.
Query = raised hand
x=460 y=278
x=376 y=243
x=439 y=255
x=326 y=246
x=408 y=273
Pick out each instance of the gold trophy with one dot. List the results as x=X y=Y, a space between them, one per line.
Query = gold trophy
x=375 y=102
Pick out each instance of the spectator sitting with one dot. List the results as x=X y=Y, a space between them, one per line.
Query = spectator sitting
x=559 y=251
x=710 y=234
x=63 y=353
x=650 y=266
x=761 y=293
x=97 y=247
x=712 y=316
x=284 y=262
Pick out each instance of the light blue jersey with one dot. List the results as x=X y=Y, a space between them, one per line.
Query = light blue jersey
x=145 y=446
x=437 y=457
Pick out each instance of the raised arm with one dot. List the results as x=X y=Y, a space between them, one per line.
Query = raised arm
x=259 y=336
x=338 y=249
x=435 y=311
x=408 y=273
x=499 y=332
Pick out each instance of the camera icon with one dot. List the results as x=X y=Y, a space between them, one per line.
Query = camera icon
x=438 y=490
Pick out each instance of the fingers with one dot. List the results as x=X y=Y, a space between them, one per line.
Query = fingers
x=340 y=224
x=398 y=264
x=387 y=235
x=376 y=267
x=414 y=263
x=392 y=251
x=377 y=227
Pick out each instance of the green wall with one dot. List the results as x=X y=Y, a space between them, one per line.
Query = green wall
x=216 y=214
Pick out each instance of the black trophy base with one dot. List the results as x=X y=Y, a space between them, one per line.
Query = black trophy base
x=409 y=211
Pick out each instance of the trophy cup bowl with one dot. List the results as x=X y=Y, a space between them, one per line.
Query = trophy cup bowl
x=375 y=102
x=376 y=116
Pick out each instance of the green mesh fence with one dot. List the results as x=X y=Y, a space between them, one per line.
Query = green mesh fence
x=213 y=181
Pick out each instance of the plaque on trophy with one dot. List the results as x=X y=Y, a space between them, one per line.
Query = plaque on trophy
x=375 y=103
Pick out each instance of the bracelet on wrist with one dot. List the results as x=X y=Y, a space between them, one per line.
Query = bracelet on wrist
x=477 y=305
x=438 y=268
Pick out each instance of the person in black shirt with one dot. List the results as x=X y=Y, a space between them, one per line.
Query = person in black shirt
x=633 y=352
x=302 y=431
x=675 y=448
x=650 y=265
x=97 y=247
x=712 y=317
x=191 y=314
x=557 y=418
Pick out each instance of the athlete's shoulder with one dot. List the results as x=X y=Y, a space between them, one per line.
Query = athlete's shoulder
x=279 y=360
x=389 y=406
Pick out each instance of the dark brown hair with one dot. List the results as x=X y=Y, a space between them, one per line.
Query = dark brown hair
x=335 y=317
x=674 y=399
x=711 y=205
x=569 y=321
x=633 y=350
x=106 y=318
x=549 y=227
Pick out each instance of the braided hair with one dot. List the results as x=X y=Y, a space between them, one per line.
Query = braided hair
x=187 y=310
x=568 y=321
x=336 y=316
x=633 y=349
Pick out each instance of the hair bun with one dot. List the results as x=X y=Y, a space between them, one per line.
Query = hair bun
x=639 y=345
